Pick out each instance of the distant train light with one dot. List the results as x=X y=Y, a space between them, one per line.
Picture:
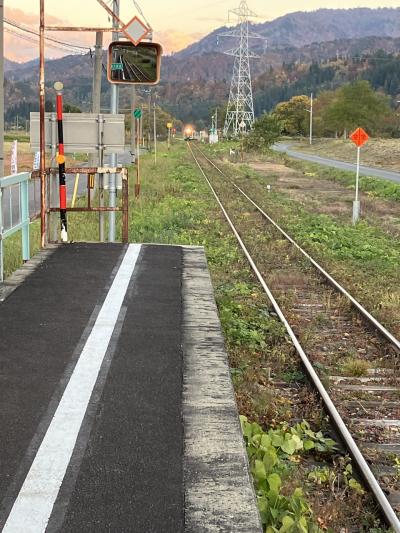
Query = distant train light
x=130 y=64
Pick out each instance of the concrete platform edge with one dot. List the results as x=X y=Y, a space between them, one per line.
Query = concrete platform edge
x=20 y=275
x=219 y=494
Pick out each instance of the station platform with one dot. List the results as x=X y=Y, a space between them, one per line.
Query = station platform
x=117 y=411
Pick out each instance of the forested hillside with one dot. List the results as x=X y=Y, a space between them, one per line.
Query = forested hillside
x=197 y=79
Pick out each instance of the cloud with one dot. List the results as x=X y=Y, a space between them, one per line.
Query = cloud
x=221 y=20
x=173 y=41
x=22 y=49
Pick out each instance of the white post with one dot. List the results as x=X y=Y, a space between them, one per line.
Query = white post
x=356 y=203
x=311 y=118
x=14 y=158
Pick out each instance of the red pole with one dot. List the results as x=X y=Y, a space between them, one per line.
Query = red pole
x=61 y=162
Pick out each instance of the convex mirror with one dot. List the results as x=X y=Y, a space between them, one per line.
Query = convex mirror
x=132 y=64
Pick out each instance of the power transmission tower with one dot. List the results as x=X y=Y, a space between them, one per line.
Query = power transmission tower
x=240 y=112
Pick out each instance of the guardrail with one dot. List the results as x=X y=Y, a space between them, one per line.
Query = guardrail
x=14 y=213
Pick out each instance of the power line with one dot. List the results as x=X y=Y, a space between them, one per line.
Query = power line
x=136 y=4
x=50 y=39
x=34 y=40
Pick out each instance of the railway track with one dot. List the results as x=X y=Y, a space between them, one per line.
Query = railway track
x=333 y=335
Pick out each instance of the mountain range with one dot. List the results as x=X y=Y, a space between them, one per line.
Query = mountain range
x=304 y=28
x=198 y=77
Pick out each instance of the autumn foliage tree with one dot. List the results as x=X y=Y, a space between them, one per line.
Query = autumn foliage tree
x=356 y=105
x=351 y=106
x=294 y=115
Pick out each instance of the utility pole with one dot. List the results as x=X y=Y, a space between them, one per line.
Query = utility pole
x=149 y=130
x=114 y=157
x=96 y=109
x=311 y=117
x=133 y=123
x=43 y=218
x=2 y=90
x=98 y=65
x=216 y=119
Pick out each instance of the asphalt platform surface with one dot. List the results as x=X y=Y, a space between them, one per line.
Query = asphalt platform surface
x=94 y=402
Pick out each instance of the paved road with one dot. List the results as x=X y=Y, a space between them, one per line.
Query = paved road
x=334 y=163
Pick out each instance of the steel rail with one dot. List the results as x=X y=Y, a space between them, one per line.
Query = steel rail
x=345 y=435
x=389 y=336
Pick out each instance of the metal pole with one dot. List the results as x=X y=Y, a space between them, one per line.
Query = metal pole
x=133 y=122
x=24 y=188
x=2 y=90
x=96 y=90
x=96 y=108
x=356 y=204
x=98 y=65
x=155 y=136
x=149 y=130
x=114 y=157
x=101 y=177
x=137 y=184
x=53 y=186
x=42 y=130
x=61 y=162
x=311 y=118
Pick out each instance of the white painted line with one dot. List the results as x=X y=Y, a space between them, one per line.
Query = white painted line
x=33 y=506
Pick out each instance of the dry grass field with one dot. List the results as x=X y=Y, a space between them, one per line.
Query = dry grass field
x=380 y=153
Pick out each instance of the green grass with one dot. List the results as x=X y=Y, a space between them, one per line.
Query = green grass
x=20 y=136
x=13 y=248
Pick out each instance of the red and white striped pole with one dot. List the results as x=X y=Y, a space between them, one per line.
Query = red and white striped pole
x=58 y=86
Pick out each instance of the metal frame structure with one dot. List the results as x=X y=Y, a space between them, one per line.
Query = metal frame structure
x=240 y=111
x=114 y=101
x=23 y=219
x=43 y=173
x=91 y=174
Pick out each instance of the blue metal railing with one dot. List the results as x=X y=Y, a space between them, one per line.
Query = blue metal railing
x=14 y=213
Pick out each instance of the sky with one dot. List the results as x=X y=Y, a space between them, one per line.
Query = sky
x=177 y=23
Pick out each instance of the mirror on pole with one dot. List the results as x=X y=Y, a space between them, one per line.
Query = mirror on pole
x=132 y=64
